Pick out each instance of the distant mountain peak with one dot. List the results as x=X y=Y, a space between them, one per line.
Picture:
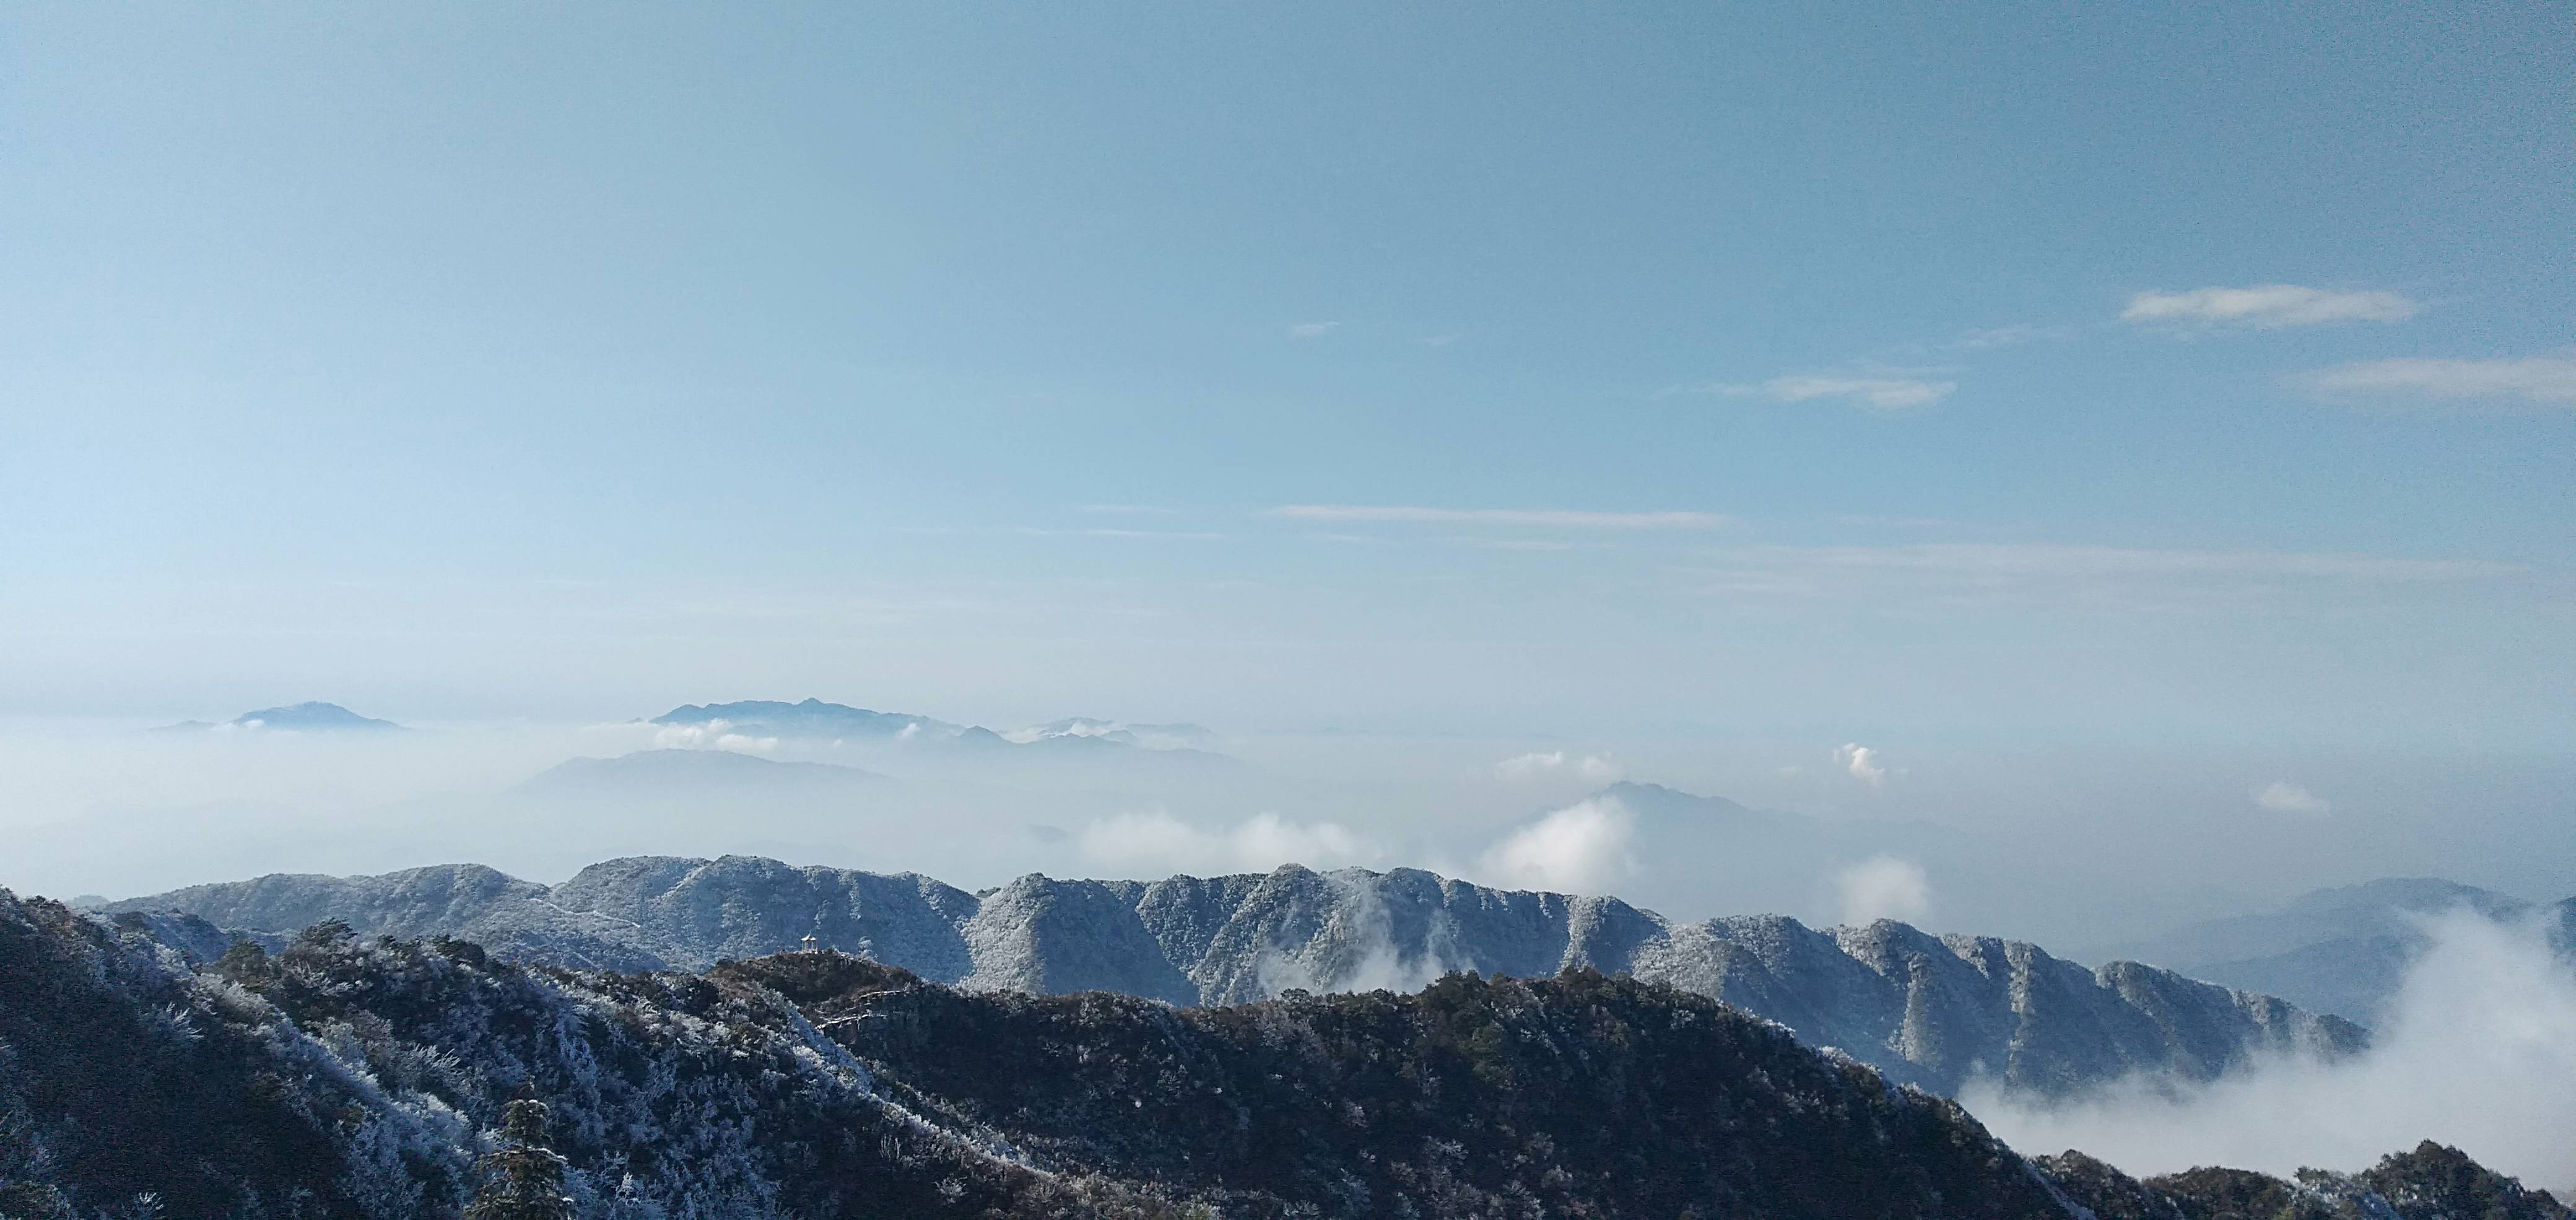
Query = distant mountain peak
x=2343 y=949
x=311 y=716
x=810 y=718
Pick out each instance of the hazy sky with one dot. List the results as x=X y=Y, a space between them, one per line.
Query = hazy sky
x=2088 y=373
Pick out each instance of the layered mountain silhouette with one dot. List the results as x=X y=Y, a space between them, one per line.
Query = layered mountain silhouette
x=2342 y=950
x=1934 y=1011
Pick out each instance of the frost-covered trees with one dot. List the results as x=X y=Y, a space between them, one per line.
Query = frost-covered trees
x=524 y=1179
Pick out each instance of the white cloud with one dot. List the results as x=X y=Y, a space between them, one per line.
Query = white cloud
x=1517 y=544
x=1581 y=849
x=1156 y=841
x=2549 y=380
x=2476 y=1053
x=1597 y=768
x=2267 y=306
x=2282 y=797
x=1551 y=518
x=1313 y=330
x=1884 y=887
x=1034 y=531
x=1356 y=950
x=1972 y=573
x=714 y=735
x=1863 y=763
x=1879 y=393
x=2009 y=336
x=2010 y=559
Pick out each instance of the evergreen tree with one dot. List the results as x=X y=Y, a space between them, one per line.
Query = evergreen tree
x=523 y=1180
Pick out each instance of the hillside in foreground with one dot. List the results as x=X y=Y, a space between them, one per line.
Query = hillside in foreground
x=346 y=1076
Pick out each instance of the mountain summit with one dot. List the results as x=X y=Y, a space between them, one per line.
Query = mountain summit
x=312 y=716
x=811 y=719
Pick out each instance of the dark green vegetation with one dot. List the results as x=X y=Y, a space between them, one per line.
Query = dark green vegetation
x=344 y=1076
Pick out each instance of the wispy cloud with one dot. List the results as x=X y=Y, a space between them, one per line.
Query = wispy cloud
x=1538 y=517
x=2283 y=797
x=1876 y=393
x=2008 y=336
x=2047 y=559
x=1127 y=510
x=1581 y=849
x=1157 y=841
x=2267 y=306
x=2120 y=578
x=1103 y=532
x=1884 y=887
x=1313 y=330
x=1544 y=764
x=1515 y=544
x=2546 y=380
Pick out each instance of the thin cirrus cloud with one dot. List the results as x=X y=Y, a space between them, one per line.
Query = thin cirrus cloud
x=1035 y=531
x=1876 y=393
x=2542 y=380
x=2006 y=560
x=2281 y=796
x=1545 y=518
x=1313 y=330
x=2267 y=306
x=1965 y=574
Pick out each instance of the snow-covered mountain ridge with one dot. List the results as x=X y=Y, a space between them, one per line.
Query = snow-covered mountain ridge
x=1931 y=1011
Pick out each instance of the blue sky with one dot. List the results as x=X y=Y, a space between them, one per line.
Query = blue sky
x=1803 y=370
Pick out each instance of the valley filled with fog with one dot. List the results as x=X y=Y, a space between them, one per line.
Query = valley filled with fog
x=2333 y=892
x=2087 y=853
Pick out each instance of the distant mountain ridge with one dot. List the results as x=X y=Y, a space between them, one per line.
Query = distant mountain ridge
x=813 y=720
x=816 y=719
x=311 y=716
x=2343 y=950
x=1931 y=1011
